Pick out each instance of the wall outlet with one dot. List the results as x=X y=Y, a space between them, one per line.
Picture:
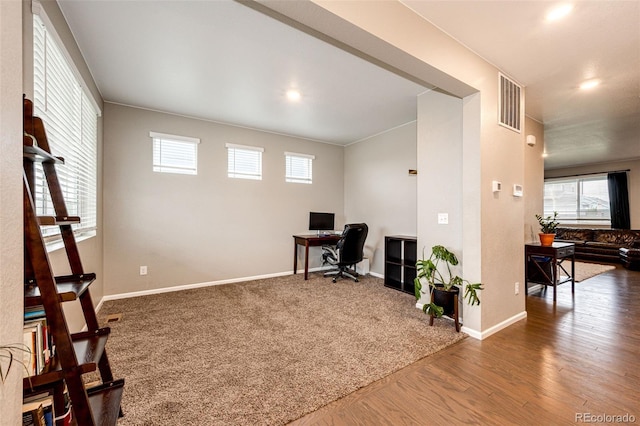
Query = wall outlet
x=143 y=270
x=443 y=218
x=517 y=288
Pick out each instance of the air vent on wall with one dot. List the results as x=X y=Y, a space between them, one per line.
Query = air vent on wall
x=509 y=103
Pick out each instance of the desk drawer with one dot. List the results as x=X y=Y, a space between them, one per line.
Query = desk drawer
x=566 y=251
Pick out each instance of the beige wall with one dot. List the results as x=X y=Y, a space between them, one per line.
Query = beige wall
x=533 y=180
x=633 y=180
x=11 y=277
x=378 y=189
x=204 y=228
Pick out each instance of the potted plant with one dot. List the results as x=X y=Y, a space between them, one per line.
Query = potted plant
x=548 y=227
x=443 y=290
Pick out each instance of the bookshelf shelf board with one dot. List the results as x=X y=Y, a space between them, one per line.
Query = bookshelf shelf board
x=105 y=402
x=39 y=155
x=57 y=220
x=88 y=346
x=69 y=287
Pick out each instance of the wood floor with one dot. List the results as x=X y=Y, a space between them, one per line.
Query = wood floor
x=563 y=363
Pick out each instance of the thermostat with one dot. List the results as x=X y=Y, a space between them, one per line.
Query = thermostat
x=517 y=190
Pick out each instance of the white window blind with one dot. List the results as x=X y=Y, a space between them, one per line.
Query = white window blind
x=70 y=120
x=175 y=154
x=578 y=199
x=244 y=162
x=299 y=167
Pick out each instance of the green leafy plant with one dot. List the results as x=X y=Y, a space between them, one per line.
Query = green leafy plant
x=548 y=224
x=10 y=353
x=427 y=270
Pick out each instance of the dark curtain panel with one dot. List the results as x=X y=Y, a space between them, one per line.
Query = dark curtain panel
x=619 y=200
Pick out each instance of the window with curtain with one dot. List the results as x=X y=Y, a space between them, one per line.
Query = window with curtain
x=578 y=199
x=244 y=162
x=299 y=167
x=71 y=121
x=175 y=154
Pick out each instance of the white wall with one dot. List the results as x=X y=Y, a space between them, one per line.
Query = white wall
x=11 y=249
x=633 y=181
x=533 y=180
x=439 y=171
x=379 y=190
x=204 y=228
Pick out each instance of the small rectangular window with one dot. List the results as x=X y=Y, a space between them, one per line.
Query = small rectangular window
x=244 y=162
x=175 y=154
x=299 y=167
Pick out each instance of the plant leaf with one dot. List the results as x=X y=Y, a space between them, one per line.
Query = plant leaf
x=433 y=309
x=471 y=294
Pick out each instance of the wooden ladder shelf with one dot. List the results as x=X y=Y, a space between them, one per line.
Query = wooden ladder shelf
x=75 y=354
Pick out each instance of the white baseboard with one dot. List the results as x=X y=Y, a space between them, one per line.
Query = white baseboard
x=492 y=330
x=480 y=335
x=206 y=284
x=192 y=286
x=375 y=274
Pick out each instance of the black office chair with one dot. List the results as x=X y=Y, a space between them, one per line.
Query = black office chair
x=348 y=252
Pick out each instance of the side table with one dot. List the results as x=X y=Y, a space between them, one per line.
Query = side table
x=542 y=265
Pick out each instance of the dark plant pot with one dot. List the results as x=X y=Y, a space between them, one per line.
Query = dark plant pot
x=446 y=299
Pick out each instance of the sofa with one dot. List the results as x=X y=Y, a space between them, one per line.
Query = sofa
x=603 y=245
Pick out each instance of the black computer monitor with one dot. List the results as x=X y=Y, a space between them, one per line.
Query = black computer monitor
x=321 y=221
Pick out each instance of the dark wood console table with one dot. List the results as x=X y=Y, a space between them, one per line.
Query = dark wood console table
x=542 y=264
x=307 y=241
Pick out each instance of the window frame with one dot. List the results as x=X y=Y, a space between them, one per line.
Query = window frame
x=72 y=131
x=174 y=143
x=578 y=218
x=234 y=161
x=290 y=177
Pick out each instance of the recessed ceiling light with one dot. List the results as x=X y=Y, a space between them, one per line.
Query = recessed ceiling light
x=293 y=95
x=589 y=84
x=559 y=12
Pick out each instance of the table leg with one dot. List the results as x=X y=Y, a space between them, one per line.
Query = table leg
x=526 y=277
x=306 y=260
x=573 y=274
x=554 y=275
x=295 y=256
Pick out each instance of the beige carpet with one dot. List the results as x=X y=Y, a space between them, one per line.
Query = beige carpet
x=584 y=270
x=264 y=352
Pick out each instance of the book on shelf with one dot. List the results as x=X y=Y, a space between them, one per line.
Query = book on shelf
x=43 y=400
x=33 y=414
x=38 y=345
x=34 y=312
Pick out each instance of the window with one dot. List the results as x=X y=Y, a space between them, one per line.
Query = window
x=175 y=154
x=71 y=122
x=298 y=167
x=244 y=162
x=578 y=199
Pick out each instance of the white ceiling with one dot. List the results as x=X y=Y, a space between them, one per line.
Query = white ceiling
x=222 y=61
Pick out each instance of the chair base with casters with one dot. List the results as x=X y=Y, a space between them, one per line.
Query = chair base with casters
x=343 y=272
x=347 y=253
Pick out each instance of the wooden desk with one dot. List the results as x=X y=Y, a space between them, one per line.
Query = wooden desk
x=536 y=257
x=307 y=241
